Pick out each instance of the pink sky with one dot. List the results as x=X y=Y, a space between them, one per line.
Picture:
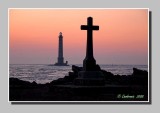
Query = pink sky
x=122 y=37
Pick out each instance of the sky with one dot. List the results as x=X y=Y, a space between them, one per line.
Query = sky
x=122 y=37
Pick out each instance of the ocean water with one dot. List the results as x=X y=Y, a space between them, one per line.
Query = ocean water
x=42 y=73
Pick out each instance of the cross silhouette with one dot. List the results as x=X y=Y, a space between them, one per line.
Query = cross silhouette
x=89 y=61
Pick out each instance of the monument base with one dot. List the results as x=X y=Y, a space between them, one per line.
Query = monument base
x=90 y=78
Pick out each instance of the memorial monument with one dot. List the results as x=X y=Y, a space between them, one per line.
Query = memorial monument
x=90 y=74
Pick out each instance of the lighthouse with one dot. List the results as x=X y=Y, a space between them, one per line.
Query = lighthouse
x=60 y=59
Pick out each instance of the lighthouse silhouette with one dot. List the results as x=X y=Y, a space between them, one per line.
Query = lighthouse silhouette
x=60 y=60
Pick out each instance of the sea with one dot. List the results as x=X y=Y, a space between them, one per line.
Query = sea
x=43 y=73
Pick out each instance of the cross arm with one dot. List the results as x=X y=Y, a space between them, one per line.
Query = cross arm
x=95 y=27
x=84 y=27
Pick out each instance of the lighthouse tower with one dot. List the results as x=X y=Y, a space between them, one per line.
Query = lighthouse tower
x=60 y=52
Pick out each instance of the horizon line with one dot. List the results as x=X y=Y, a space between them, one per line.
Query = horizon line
x=69 y=64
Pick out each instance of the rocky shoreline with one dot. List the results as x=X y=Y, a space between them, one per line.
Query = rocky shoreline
x=132 y=87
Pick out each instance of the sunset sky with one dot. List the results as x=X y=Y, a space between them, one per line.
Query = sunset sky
x=122 y=37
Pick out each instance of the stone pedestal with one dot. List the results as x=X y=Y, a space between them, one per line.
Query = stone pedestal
x=90 y=78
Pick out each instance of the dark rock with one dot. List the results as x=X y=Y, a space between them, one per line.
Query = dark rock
x=108 y=75
x=76 y=69
x=138 y=72
x=15 y=82
x=97 y=68
x=34 y=83
x=139 y=77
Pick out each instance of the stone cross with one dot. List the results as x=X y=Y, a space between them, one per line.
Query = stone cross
x=89 y=62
